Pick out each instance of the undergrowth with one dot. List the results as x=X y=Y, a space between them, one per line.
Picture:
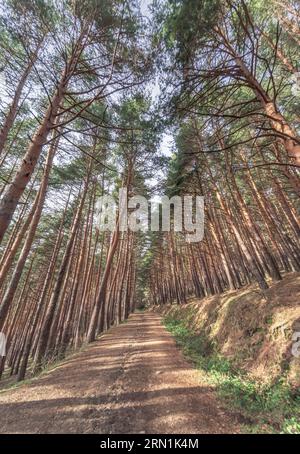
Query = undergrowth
x=270 y=408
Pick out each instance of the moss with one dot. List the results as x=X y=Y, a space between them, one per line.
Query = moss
x=273 y=408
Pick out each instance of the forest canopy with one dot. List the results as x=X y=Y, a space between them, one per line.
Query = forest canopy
x=91 y=93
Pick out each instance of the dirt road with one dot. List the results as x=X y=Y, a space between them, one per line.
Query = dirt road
x=132 y=380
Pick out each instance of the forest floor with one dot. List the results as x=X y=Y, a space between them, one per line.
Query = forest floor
x=134 y=379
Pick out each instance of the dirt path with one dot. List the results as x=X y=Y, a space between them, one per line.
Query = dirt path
x=133 y=380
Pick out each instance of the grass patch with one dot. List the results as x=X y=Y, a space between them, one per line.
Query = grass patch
x=272 y=408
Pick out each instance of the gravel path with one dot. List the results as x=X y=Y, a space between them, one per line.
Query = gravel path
x=134 y=379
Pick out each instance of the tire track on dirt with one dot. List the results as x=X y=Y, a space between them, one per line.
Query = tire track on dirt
x=133 y=379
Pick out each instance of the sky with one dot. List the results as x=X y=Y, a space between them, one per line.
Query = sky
x=167 y=142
